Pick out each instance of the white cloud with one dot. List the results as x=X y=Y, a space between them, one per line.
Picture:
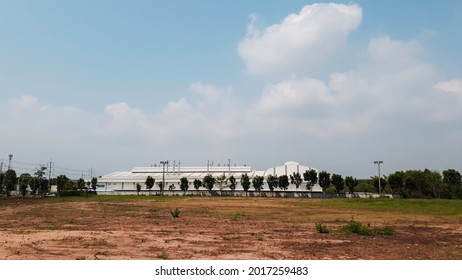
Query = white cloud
x=122 y=118
x=306 y=39
x=452 y=86
x=295 y=94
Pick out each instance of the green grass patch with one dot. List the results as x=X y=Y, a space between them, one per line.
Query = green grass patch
x=443 y=207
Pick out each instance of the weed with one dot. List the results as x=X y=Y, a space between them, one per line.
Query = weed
x=175 y=213
x=238 y=215
x=356 y=227
x=322 y=228
x=163 y=256
x=361 y=229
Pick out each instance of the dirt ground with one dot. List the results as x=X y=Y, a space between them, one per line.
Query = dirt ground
x=214 y=228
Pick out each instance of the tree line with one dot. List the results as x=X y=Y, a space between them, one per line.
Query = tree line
x=38 y=184
x=405 y=184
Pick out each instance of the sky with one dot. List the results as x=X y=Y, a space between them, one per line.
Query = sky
x=110 y=85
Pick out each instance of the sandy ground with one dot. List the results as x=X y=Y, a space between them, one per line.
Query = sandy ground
x=213 y=228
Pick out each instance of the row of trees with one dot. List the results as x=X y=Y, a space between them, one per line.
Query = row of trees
x=406 y=184
x=38 y=184
x=222 y=182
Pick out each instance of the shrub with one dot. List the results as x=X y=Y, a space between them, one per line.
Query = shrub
x=358 y=228
x=175 y=213
x=322 y=228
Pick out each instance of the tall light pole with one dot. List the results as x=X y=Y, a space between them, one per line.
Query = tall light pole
x=379 y=162
x=10 y=156
x=163 y=175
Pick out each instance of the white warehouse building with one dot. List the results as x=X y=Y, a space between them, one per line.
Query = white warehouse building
x=126 y=181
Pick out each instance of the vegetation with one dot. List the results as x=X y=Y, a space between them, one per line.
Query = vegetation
x=138 y=188
x=296 y=179
x=257 y=183
x=175 y=213
x=322 y=228
x=245 y=182
x=149 y=183
x=209 y=182
x=338 y=182
x=184 y=184
x=273 y=182
x=324 y=180
x=283 y=182
x=197 y=184
x=232 y=183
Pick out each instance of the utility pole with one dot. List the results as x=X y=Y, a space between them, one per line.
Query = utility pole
x=164 y=162
x=49 y=176
x=379 y=162
x=1 y=167
x=229 y=167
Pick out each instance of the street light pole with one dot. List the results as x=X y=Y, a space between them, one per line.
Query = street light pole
x=163 y=176
x=378 y=162
x=10 y=156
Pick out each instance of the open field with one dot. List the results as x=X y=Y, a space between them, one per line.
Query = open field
x=118 y=227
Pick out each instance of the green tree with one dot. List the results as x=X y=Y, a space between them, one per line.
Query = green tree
x=245 y=182
x=296 y=179
x=338 y=183
x=81 y=184
x=184 y=184
x=40 y=172
x=283 y=182
x=10 y=180
x=209 y=182
x=24 y=182
x=396 y=182
x=44 y=187
x=383 y=183
x=453 y=181
x=61 y=183
x=351 y=184
x=435 y=182
x=324 y=180
x=232 y=183
x=197 y=184
x=257 y=183
x=34 y=185
x=273 y=182
x=138 y=188
x=149 y=183
x=94 y=183
x=311 y=178
x=221 y=181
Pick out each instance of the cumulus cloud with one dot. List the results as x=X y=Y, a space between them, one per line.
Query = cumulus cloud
x=122 y=117
x=306 y=39
x=452 y=86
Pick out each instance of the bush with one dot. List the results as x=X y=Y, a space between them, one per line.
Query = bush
x=358 y=228
x=175 y=213
x=322 y=228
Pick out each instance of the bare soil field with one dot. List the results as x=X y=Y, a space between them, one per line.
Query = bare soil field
x=219 y=228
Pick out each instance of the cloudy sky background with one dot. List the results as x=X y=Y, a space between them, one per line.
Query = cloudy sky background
x=117 y=84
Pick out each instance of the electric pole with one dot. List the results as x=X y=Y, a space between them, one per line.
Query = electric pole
x=379 y=162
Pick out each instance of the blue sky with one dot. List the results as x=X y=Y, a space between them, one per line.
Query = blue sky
x=117 y=84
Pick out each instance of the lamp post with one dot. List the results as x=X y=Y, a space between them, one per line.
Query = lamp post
x=379 y=162
x=10 y=156
x=163 y=175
